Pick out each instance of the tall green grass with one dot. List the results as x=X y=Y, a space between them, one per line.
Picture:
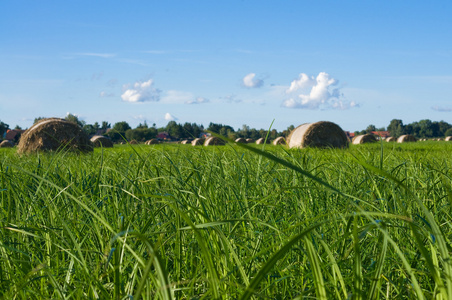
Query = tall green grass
x=228 y=222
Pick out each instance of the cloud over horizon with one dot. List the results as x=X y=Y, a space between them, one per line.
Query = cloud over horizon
x=250 y=81
x=442 y=109
x=169 y=117
x=141 y=92
x=198 y=100
x=316 y=93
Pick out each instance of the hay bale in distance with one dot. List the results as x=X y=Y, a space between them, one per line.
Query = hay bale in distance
x=279 y=141
x=184 y=142
x=133 y=142
x=151 y=142
x=391 y=139
x=240 y=140
x=52 y=134
x=262 y=140
x=213 y=141
x=406 y=138
x=6 y=144
x=198 y=142
x=448 y=138
x=364 y=139
x=249 y=140
x=101 y=141
x=321 y=134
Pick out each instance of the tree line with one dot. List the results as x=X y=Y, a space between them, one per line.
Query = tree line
x=176 y=131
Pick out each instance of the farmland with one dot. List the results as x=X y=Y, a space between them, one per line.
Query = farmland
x=175 y=221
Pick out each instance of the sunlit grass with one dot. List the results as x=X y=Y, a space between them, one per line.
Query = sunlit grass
x=176 y=221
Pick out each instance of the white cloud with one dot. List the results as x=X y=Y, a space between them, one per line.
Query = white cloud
x=105 y=94
x=141 y=92
x=170 y=117
x=442 y=109
x=176 y=97
x=103 y=55
x=316 y=93
x=199 y=100
x=250 y=81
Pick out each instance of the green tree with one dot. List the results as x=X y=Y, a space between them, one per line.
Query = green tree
x=396 y=128
x=448 y=132
x=74 y=119
x=3 y=128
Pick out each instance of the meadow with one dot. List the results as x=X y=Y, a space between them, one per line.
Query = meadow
x=174 y=221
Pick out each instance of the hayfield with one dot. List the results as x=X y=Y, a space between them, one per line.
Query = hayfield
x=227 y=222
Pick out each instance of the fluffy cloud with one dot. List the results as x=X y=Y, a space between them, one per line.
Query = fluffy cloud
x=250 y=81
x=105 y=94
x=170 y=117
x=442 y=109
x=316 y=93
x=141 y=92
x=199 y=100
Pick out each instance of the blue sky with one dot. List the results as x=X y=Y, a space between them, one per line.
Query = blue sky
x=354 y=63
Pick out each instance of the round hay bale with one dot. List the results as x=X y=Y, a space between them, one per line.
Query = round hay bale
x=448 y=138
x=101 y=141
x=249 y=140
x=151 y=142
x=133 y=142
x=184 y=142
x=52 y=134
x=6 y=144
x=321 y=134
x=279 y=141
x=198 y=142
x=240 y=140
x=213 y=141
x=364 y=139
x=261 y=141
x=391 y=139
x=406 y=138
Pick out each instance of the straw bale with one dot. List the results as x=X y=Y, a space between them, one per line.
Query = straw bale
x=240 y=140
x=321 y=134
x=364 y=139
x=213 y=141
x=249 y=140
x=279 y=141
x=133 y=142
x=185 y=142
x=6 y=144
x=52 y=134
x=406 y=138
x=101 y=141
x=391 y=139
x=198 y=142
x=151 y=142
x=448 y=138
x=262 y=140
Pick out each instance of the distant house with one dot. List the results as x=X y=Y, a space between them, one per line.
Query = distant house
x=349 y=134
x=163 y=136
x=13 y=134
x=204 y=135
x=382 y=134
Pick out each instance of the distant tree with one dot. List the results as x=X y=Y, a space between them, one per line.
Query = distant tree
x=118 y=131
x=371 y=128
x=443 y=127
x=18 y=127
x=141 y=134
x=396 y=128
x=74 y=119
x=105 y=125
x=96 y=126
x=175 y=130
x=89 y=129
x=38 y=119
x=3 y=128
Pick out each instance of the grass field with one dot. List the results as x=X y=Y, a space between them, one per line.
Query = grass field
x=183 y=222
